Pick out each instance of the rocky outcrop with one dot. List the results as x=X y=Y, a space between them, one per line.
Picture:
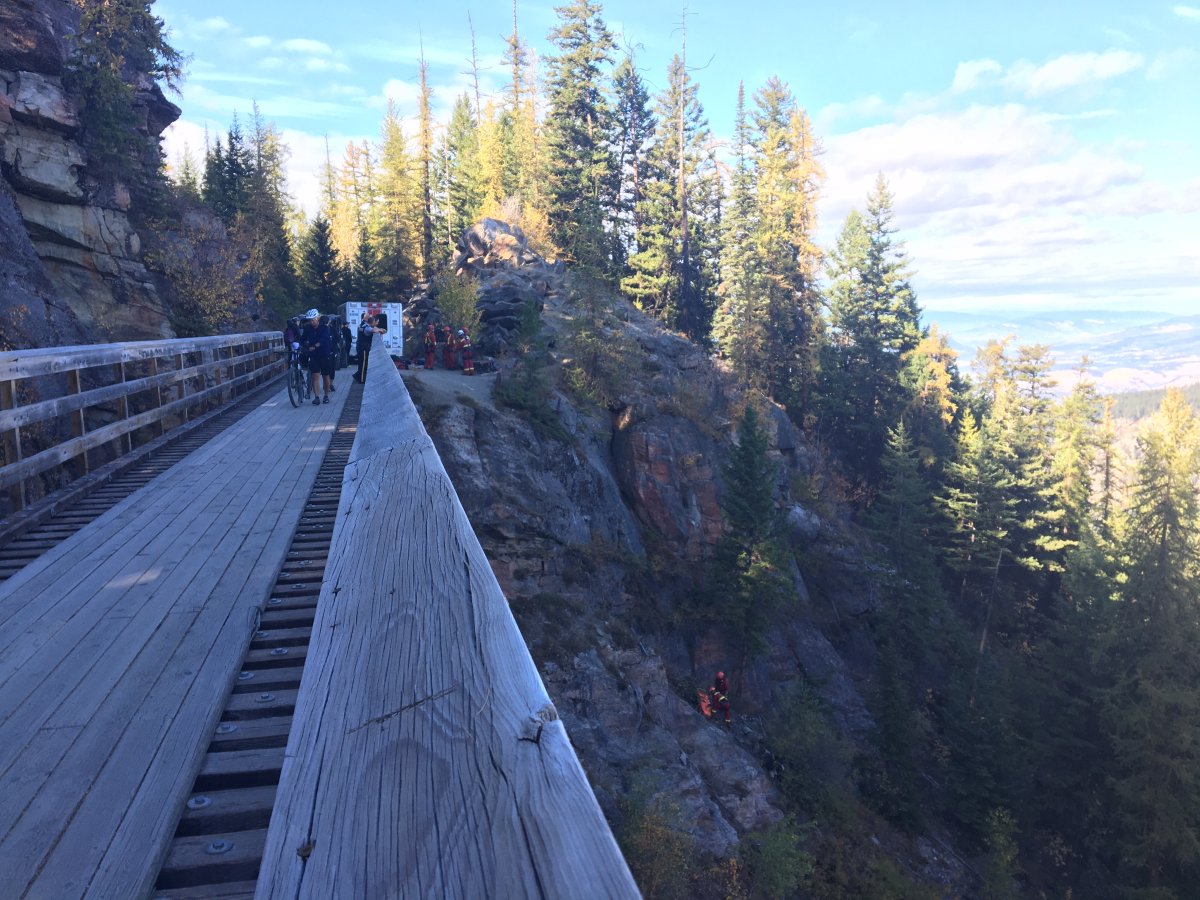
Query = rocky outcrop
x=626 y=722
x=89 y=252
x=509 y=277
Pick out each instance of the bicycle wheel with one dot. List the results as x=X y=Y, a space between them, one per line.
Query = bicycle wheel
x=294 y=387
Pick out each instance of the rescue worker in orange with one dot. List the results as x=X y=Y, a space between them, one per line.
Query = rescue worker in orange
x=464 y=345
x=430 y=342
x=447 y=341
x=719 y=697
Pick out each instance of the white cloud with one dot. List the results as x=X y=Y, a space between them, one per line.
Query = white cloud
x=1170 y=62
x=307 y=45
x=1071 y=70
x=318 y=64
x=1003 y=204
x=1187 y=12
x=257 y=42
x=970 y=74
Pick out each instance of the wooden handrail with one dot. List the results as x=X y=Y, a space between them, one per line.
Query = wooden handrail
x=425 y=756
x=227 y=363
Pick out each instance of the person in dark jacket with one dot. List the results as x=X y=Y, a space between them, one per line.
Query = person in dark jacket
x=319 y=343
x=366 y=335
x=347 y=338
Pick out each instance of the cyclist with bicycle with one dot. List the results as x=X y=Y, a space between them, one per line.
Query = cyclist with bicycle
x=318 y=341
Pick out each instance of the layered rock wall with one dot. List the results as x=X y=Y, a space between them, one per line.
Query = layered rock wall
x=81 y=277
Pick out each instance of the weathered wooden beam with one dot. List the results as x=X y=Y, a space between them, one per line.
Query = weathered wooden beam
x=60 y=453
x=55 y=360
x=425 y=758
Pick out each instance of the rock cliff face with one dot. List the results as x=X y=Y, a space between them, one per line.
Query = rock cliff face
x=81 y=274
x=574 y=528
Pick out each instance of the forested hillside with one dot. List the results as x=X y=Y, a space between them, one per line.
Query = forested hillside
x=1030 y=654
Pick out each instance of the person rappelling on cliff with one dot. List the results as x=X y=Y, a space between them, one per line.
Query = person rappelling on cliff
x=430 y=345
x=719 y=698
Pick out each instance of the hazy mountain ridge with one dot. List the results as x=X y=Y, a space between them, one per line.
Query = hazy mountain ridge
x=1128 y=350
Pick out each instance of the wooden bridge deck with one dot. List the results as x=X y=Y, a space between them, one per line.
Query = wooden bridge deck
x=118 y=647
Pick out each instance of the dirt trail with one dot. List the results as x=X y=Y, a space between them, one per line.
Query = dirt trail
x=437 y=386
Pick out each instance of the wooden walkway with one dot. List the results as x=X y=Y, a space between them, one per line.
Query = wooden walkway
x=119 y=646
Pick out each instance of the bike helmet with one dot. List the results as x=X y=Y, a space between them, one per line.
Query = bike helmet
x=312 y=314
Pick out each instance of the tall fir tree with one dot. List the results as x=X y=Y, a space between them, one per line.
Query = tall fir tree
x=322 y=272
x=874 y=323
x=395 y=222
x=674 y=269
x=633 y=127
x=578 y=156
x=740 y=327
x=1152 y=705
x=787 y=179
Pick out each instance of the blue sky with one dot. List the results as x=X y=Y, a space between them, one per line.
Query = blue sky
x=1043 y=157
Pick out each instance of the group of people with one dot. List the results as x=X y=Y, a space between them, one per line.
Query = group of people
x=314 y=339
x=453 y=343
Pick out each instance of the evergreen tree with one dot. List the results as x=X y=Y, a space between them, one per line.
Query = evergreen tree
x=787 y=260
x=749 y=576
x=117 y=37
x=674 y=270
x=425 y=173
x=579 y=161
x=322 y=274
x=633 y=127
x=395 y=221
x=740 y=324
x=1152 y=708
x=263 y=220
x=873 y=325
x=459 y=165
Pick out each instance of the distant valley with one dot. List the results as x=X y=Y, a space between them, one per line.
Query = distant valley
x=1128 y=350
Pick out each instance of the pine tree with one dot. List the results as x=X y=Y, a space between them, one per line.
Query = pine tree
x=1152 y=708
x=460 y=176
x=674 y=270
x=579 y=162
x=114 y=39
x=395 y=221
x=740 y=325
x=633 y=127
x=263 y=220
x=787 y=182
x=873 y=325
x=749 y=579
x=425 y=173
x=322 y=274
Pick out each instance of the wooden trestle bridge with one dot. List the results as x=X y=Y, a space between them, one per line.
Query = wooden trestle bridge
x=254 y=650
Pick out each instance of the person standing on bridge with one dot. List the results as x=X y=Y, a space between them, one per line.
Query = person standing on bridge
x=366 y=335
x=317 y=339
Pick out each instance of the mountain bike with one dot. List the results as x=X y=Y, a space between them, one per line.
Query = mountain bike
x=299 y=387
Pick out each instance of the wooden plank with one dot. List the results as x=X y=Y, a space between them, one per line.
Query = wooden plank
x=55 y=360
x=127 y=815
x=426 y=758
x=144 y=832
x=189 y=856
x=77 y=399
x=47 y=459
